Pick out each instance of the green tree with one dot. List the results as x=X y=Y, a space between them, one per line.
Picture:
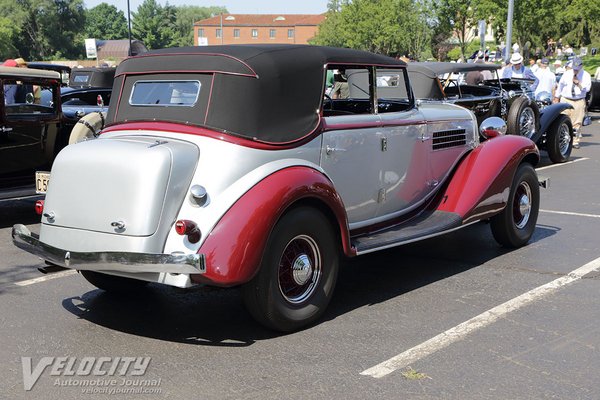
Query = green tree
x=154 y=24
x=8 y=33
x=458 y=17
x=105 y=22
x=48 y=28
x=185 y=18
x=391 y=27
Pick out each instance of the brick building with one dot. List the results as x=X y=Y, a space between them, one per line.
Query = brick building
x=257 y=28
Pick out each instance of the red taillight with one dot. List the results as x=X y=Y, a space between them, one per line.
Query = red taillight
x=189 y=228
x=39 y=207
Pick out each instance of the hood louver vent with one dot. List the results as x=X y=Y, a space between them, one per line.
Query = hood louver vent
x=446 y=139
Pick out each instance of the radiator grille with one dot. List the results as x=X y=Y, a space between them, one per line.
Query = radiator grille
x=446 y=139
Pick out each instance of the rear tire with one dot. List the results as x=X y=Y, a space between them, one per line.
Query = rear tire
x=297 y=274
x=559 y=139
x=524 y=119
x=112 y=283
x=514 y=226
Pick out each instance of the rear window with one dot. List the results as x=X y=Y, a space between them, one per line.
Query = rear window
x=170 y=93
x=80 y=78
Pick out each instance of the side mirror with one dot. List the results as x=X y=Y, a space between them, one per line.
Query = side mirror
x=29 y=98
x=492 y=127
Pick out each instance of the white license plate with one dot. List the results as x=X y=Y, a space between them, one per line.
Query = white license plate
x=42 y=178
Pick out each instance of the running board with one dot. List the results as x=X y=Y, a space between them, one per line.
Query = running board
x=422 y=227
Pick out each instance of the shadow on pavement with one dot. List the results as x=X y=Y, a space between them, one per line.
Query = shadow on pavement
x=218 y=317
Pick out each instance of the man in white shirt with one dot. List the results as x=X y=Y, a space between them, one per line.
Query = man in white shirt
x=572 y=89
x=546 y=77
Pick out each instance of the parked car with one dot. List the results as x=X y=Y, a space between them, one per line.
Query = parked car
x=63 y=70
x=30 y=133
x=509 y=99
x=229 y=167
x=100 y=77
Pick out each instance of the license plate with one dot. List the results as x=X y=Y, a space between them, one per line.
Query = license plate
x=42 y=178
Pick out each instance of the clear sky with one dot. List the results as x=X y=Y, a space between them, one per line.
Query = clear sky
x=233 y=6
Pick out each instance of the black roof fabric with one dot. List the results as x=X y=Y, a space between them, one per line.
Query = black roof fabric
x=269 y=93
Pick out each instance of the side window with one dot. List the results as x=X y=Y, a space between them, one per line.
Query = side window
x=347 y=91
x=29 y=100
x=392 y=90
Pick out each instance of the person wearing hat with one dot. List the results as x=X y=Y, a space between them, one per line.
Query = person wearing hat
x=547 y=79
x=558 y=68
x=20 y=90
x=518 y=70
x=573 y=88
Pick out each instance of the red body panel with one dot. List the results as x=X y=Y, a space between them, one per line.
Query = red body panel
x=481 y=183
x=235 y=246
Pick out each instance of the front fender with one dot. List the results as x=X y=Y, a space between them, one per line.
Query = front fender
x=549 y=114
x=480 y=185
x=234 y=248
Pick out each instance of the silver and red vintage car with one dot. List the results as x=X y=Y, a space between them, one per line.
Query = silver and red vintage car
x=228 y=166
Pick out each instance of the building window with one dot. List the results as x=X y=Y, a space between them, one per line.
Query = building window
x=236 y=33
x=272 y=33
x=219 y=33
x=254 y=33
x=201 y=32
x=290 y=33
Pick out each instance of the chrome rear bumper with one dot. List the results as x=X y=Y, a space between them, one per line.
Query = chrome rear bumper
x=108 y=261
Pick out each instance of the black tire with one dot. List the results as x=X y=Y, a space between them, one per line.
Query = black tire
x=524 y=119
x=112 y=283
x=559 y=139
x=514 y=226
x=286 y=299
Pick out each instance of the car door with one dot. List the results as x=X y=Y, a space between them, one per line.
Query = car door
x=351 y=153
x=406 y=179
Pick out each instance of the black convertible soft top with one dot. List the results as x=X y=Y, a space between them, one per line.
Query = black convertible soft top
x=269 y=93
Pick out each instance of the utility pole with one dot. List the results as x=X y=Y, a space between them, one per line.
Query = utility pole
x=509 y=21
x=129 y=26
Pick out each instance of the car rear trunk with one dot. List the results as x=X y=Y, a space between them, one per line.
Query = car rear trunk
x=120 y=186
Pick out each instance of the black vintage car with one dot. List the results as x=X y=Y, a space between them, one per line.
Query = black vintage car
x=510 y=99
x=30 y=128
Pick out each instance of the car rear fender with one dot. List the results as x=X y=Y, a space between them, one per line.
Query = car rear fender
x=480 y=185
x=549 y=114
x=234 y=248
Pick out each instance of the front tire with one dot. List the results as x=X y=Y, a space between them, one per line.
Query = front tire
x=514 y=226
x=523 y=119
x=297 y=274
x=559 y=140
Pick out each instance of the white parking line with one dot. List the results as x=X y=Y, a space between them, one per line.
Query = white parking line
x=46 y=278
x=558 y=165
x=571 y=213
x=482 y=320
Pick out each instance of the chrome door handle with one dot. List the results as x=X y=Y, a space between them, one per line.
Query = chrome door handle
x=6 y=129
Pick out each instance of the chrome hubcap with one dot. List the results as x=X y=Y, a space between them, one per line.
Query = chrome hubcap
x=302 y=269
x=299 y=269
x=522 y=205
x=527 y=123
x=564 y=139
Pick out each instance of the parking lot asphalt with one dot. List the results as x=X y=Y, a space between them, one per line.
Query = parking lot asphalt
x=204 y=345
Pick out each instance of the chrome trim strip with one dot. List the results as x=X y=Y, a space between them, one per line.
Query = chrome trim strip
x=109 y=260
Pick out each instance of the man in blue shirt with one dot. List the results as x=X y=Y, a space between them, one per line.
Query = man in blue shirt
x=518 y=70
